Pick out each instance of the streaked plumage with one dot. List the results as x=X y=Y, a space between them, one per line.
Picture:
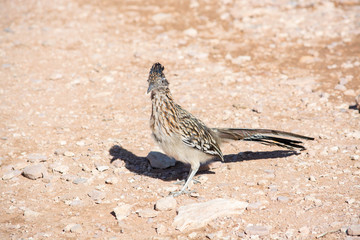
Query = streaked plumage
x=187 y=139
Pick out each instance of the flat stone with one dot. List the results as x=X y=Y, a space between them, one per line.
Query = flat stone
x=101 y=168
x=160 y=17
x=282 y=199
x=69 y=154
x=30 y=214
x=122 y=211
x=147 y=213
x=255 y=205
x=76 y=228
x=34 y=171
x=61 y=169
x=111 y=180
x=97 y=195
x=306 y=59
x=197 y=215
x=165 y=204
x=257 y=230
x=354 y=230
x=160 y=160
x=11 y=174
x=35 y=157
x=68 y=227
x=79 y=180
x=191 y=32
x=161 y=229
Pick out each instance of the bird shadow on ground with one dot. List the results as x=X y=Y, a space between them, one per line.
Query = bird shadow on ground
x=141 y=166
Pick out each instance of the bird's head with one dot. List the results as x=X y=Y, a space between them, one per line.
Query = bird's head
x=157 y=78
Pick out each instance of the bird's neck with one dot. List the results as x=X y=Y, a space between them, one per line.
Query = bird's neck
x=163 y=94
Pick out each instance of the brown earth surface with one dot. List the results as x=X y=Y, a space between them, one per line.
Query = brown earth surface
x=72 y=97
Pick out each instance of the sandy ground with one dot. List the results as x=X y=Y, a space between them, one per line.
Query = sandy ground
x=72 y=97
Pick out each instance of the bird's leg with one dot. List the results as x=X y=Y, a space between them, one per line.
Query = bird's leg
x=192 y=173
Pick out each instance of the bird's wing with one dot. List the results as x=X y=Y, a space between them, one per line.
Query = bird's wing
x=195 y=134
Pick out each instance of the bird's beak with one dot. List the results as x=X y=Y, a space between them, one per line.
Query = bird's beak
x=151 y=86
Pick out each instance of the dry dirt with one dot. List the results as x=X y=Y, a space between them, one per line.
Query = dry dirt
x=73 y=81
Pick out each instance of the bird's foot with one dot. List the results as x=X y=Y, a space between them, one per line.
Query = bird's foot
x=178 y=193
x=182 y=182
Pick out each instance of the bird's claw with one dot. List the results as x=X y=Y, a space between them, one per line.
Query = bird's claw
x=178 y=193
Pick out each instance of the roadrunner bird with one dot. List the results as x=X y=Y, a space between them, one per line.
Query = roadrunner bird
x=187 y=139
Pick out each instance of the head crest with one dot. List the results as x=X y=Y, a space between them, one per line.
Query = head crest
x=157 y=68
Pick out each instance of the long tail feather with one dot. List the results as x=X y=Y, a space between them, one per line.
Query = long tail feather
x=264 y=136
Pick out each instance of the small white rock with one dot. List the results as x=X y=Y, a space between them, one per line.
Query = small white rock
x=69 y=154
x=191 y=32
x=354 y=230
x=112 y=180
x=165 y=204
x=122 y=211
x=76 y=228
x=96 y=195
x=30 y=214
x=61 y=169
x=11 y=174
x=312 y=178
x=101 y=168
x=34 y=171
x=257 y=230
x=147 y=213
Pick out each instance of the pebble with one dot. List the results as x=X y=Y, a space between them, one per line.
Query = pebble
x=55 y=76
x=354 y=230
x=160 y=160
x=108 y=79
x=340 y=87
x=69 y=154
x=262 y=182
x=74 y=202
x=73 y=227
x=312 y=178
x=355 y=157
x=165 y=204
x=77 y=228
x=30 y=214
x=11 y=174
x=191 y=32
x=254 y=206
x=147 y=213
x=257 y=230
x=79 y=180
x=61 y=169
x=282 y=199
x=96 y=195
x=101 y=168
x=34 y=171
x=161 y=229
x=35 y=157
x=112 y=180
x=197 y=215
x=80 y=143
x=118 y=163
x=59 y=151
x=122 y=211
x=306 y=59
x=240 y=60
x=334 y=149
x=304 y=231
x=350 y=201
x=350 y=92
x=158 y=18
